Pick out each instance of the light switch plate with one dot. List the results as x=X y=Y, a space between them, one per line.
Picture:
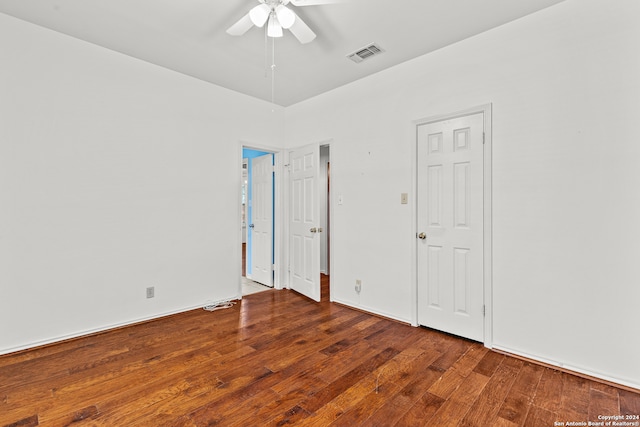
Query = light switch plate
x=404 y=198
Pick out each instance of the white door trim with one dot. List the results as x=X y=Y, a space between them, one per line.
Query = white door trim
x=280 y=271
x=487 y=211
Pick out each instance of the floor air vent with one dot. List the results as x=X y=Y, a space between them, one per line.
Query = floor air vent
x=365 y=53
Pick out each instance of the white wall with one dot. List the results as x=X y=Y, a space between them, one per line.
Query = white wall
x=566 y=100
x=114 y=176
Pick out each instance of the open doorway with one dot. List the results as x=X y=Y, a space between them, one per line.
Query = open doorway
x=258 y=220
x=325 y=222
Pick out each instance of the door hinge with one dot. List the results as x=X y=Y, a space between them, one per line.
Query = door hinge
x=483 y=137
x=484 y=310
x=273 y=267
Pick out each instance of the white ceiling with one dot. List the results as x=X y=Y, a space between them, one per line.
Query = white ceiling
x=189 y=36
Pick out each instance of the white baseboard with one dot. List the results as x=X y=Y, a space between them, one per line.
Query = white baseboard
x=372 y=311
x=86 y=332
x=568 y=368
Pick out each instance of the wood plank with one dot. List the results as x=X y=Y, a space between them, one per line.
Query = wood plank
x=501 y=422
x=31 y=421
x=489 y=363
x=339 y=386
x=538 y=417
x=516 y=406
x=422 y=411
x=575 y=398
x=458 y=372
x=395 y=408
x=601 y=404
x=629 y=402
x=290 y=417
x=548 y=394
x=333 y=368
x=460 y=401
x=454 y=351
x=366 y=407
x=83 y=416
x=485 y=409
x=375 y=397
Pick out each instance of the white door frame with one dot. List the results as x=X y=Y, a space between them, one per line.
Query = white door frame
x=487 y=211
x=280 y=271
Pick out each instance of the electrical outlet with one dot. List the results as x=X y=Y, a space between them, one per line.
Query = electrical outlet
x=151 y=291
x=358 y=285
x=404 y=198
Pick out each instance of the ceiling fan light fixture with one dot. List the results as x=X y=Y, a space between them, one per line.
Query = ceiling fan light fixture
x=260 y=14
x=277 y=17
x=286 y=17
x=274 y=29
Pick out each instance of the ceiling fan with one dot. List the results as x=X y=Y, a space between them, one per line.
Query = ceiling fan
x=278 y=16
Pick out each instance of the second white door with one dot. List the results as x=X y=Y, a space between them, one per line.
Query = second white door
x=304 y=221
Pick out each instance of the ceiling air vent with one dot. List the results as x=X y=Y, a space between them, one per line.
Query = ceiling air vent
x=365 y=53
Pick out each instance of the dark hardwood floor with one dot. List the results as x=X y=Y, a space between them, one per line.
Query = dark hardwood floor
x=278 y=358
x=244 y=259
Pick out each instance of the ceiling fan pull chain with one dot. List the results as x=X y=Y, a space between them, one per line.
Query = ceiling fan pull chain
x=266 y=53
x=273 y=71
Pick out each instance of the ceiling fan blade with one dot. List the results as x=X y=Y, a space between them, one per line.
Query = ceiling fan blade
x=314 y=2
x=302 y=31
x=240 y=27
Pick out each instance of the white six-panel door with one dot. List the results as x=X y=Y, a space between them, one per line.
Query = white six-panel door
x=262 y=219
x=450 y=226
x=304 y=221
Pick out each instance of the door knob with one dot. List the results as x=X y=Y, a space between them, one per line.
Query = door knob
x=314 y=230
x=422 y=236
x=251 y=225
